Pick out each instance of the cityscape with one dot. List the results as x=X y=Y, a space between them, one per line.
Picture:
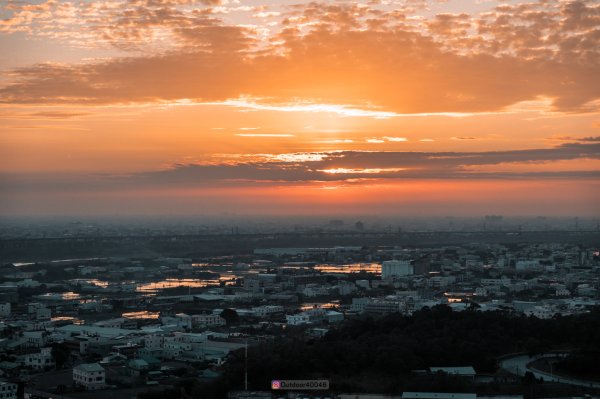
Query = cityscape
x=299 y=199
x=186 y=326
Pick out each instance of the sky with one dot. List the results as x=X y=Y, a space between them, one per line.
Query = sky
x=400 y=107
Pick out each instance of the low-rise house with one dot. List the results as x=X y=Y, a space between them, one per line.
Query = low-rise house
x=5 y=309
x=267 y=310
x=138 y=367
x=35 y=339
x=8 y=390
x=40 y=360
x=91 y=376
x=207 y=320
x=334 y=317
x=315 y=290
x=297 y=319
x=120 y=322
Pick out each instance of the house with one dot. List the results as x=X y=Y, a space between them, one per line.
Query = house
x=40 y=360
x=91 y=376
x=315 y=290
x=297 y=319
x=35 y=339
x=207 y=320
x=119 y=322
x=267 y=310
x=334 y=317
x=138 y=367
x=5 y=309
x=8 y=390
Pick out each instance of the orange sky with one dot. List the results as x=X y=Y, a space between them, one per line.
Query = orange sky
x=391 y=106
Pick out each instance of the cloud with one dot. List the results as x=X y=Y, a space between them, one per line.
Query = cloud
x=363 y=57
x=334 y=166
x=571 y=138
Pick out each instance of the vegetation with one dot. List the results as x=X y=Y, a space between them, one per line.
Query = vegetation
x=392 y=346
x=381 y=354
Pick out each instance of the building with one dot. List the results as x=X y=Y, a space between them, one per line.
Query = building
x=315 y=290
x=297 y=319
x=334 y=317
x=524 y=265
x=359 y=304
x=207 y=320
x=35 y=339
x=5 y=309
x=466 y=371
x=383 y=307
x=396 y=268
x=119 y=322
x=40 y=360
x=8 y=390
x=89 y=375
x=267 y=310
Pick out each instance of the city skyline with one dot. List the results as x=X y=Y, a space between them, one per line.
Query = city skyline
x=426 y=108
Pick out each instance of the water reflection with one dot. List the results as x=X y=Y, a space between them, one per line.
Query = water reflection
x=315 y=305
x=183 y=282
x=63 y=296
x=67 y=320
x=90 y=281
x=145 y=314
x=374 y=268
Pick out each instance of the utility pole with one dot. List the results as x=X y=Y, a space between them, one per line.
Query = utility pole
x=246 y=367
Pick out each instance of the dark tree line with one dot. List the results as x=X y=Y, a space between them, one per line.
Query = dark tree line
x=380 y=354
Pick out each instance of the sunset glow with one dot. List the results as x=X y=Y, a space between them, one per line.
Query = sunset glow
x=264 y=107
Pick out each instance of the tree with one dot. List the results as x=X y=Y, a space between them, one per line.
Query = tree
x=60 y=353
x=229 y=315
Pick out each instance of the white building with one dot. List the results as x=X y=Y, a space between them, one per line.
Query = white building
x=8 y=390
x=90 y=376
x=297 y=319
x=396 y=268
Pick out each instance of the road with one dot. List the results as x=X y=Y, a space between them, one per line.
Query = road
x=519 y=365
